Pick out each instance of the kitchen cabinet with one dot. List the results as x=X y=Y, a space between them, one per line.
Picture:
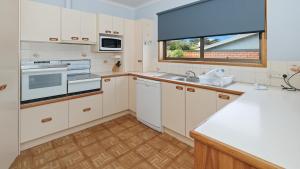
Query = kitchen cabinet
x=121 y=93
x=109 y=95
x=40 y=22
x=86 y=109
x=40 y=121
x=115 y=95
x=78 y=27
x=132 y=93
x=173 y=107
x=200 y=104
x=224 y=99
x=110 y=25
x=9 y=82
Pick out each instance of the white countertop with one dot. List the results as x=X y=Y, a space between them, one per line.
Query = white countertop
x=265 y=124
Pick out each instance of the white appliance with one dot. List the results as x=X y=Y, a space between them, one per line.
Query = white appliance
x=110 y=43
x=148 y=103
x=43 y=79
x=80 y=78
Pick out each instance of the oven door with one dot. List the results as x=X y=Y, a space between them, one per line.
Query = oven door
x=110 y=43
x=42 y=83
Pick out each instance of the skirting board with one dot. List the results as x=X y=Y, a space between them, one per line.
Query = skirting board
x=66 y=132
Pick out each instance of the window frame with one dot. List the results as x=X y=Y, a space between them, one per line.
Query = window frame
x=232 y=62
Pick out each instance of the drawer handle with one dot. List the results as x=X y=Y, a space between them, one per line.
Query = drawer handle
x=115 y=32
x=191 y=90
x=85 y=39
x=87 y=109
x=134 y=78
x=107 y=31
x=224 y=97
x=140 y=61
x=106 y=80
x=74 y=38
x=53 y=39
x=3 y=87
x=179 y=87
x=46 y=120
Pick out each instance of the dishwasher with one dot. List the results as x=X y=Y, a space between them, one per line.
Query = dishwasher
x=148 y=103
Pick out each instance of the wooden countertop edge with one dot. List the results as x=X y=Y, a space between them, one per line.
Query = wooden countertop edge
x=56 y=100
x=234 y=152
x=114 y=75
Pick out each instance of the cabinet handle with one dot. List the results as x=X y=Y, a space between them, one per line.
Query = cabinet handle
x=106 y=80
x=140 y=61
x=115 y=32
x=134 y=78
x=192 y=90
x=85 y=39
x=3 y=87
x=224 y=97
x=74 y=38
x=179 y=87
x=108 y=32
x=46 y=120
x=87 y=109
x=53 y=39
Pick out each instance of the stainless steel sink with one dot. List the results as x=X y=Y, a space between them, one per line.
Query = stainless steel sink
x=181 y=78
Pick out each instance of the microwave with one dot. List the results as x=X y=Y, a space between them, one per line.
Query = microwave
x=110 y=43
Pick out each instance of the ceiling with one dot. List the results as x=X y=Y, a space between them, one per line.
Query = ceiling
x=132 y=3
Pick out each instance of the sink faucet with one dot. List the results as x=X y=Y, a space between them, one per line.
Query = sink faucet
x=188 y=73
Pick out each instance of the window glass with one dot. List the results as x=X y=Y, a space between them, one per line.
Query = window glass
x=234 y=47
x=184 y=49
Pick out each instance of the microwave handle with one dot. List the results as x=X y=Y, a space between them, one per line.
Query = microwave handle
x=44 y=70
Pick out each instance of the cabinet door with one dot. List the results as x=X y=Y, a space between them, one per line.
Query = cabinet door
x=200 y=104
x=40 y=22
x=173 y=107
x=71 y=25
x=224 y=99
x=118 y=26
x=105 y=24
x=109 y=96
x=88 y=27
x=84 y=110
x=132 y=93
x=9 y=82
x=121 y=93
x=43 y=120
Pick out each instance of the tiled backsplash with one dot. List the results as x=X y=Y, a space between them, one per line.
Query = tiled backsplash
x=272 y=75
x=101 y=62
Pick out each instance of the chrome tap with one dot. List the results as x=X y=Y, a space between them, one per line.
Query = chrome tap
x=188 y=73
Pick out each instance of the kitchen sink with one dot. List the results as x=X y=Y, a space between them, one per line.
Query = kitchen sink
x=181 y=78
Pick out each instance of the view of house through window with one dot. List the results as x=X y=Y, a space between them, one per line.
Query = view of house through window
x=239 y=47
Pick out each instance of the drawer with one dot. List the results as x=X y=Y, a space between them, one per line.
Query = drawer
x=223 y=99
x=86 y=109
x=43 y=120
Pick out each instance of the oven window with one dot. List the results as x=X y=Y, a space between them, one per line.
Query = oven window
x=111 y=43
x=44 y=81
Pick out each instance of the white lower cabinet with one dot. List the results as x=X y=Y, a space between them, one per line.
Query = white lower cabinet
x=132 y=93
x=40 y=121
x=173 y=107
x=224 y=99
x=115 y=95
x=84 y=110
x=200 y=104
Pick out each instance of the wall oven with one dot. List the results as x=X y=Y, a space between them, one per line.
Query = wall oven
x=43 y=80
x=110 y=43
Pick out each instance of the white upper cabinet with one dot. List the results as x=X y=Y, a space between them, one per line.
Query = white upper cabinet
x=40 y=22
x=110 y=25
x=89 y=27
x=118 y=26
x=78 y=27
x=70 y=25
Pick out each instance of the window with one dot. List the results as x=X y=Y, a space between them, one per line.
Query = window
x=233 y=49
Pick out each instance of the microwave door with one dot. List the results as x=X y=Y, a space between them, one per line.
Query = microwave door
x=111 y=44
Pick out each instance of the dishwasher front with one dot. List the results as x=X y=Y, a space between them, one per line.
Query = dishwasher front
x=148 y=103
